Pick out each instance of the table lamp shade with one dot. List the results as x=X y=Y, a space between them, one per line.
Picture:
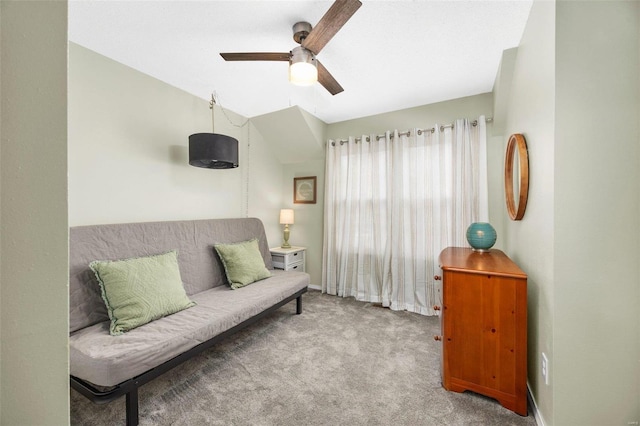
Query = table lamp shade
x=286 y=217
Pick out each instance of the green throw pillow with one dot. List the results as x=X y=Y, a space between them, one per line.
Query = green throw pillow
x=140 y=290
x=242 y=263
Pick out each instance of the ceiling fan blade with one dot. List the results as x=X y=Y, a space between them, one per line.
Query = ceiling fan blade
x=326 y=79
x=257 y=56
x=337 y=15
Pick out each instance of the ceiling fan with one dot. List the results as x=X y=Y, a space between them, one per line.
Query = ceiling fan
x=311 y=40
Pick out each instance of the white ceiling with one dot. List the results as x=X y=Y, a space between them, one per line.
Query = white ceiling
x=390 y=55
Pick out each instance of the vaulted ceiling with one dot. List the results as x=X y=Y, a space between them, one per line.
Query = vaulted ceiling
x=390 y=55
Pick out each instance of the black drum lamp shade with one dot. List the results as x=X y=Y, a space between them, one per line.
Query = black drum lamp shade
x=213 y=151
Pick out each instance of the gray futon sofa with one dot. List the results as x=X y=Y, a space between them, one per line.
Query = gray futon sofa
x=104 y=367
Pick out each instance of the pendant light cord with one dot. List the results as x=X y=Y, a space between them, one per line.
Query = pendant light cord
x=212 y=104
x=246 y=191
x=214 y=101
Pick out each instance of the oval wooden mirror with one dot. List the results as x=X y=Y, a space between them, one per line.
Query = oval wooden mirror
x=516 y=176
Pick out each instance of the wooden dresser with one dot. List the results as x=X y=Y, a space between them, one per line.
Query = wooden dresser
x=484 y=326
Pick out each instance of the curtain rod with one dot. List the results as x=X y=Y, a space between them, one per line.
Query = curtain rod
x=408 y=132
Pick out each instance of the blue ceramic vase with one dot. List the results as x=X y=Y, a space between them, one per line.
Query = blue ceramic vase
x=481 y=236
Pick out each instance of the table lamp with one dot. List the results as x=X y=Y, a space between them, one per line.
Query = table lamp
x=286 y=219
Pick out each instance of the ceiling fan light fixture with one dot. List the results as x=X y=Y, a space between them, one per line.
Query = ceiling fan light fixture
x=303 y=67
x=303 y=70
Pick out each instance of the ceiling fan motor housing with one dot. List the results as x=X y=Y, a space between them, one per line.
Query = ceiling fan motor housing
x=300 y=54
x=300 y=31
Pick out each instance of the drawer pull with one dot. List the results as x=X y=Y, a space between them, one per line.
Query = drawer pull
x=436 y=308
x=437 y=338
x=437 y=277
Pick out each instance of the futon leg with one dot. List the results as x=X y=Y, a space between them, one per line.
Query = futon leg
x=299 y=305
x=132 y=407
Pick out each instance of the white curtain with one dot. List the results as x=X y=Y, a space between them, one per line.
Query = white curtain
x=392 y=203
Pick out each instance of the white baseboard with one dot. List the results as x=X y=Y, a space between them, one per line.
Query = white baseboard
x=315 y=287
x=536 y=413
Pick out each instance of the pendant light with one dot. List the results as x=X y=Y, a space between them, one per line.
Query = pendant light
x=213 y=150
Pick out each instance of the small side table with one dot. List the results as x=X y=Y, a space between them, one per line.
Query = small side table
x=288 y=259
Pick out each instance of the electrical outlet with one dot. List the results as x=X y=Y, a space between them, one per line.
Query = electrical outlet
x=545 y=368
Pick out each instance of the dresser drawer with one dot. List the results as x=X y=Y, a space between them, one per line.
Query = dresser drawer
x=281 y=260
x=296 y=266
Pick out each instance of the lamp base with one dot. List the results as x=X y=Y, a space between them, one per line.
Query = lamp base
x=286 y=244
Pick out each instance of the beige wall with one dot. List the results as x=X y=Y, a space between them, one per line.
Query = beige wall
x=296 y=139
x=265 y=177
x=422 y=116
x=128 y=152
x=128 y=148
x=34 y=384
x=579 y=241
x=531 y=111
x=309 y=218
x=530 y=242
x=597 y=214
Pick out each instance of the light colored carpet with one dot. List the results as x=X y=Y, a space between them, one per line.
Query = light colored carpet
x=341 y=362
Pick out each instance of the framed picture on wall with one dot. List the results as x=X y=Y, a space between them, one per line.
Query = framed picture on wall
x=304 y=190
